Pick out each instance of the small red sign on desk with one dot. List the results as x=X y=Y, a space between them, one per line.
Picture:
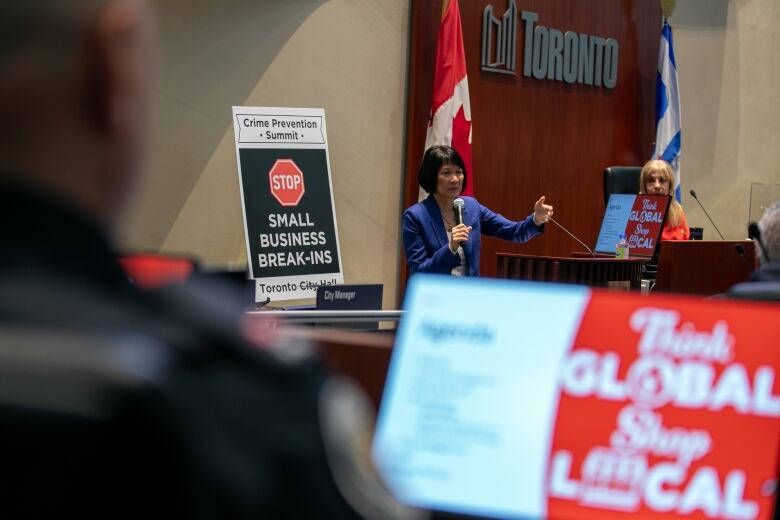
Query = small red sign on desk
x=644 y=224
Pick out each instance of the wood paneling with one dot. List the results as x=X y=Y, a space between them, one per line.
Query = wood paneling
x=542 y=137
x=704 y=266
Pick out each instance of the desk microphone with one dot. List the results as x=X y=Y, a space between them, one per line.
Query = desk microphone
x=693 y=193
x=754 y=233
x=457 y=205
x=580 y=242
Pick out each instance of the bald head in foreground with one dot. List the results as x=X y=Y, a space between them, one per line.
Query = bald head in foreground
x=74 y=94
x=116 y=401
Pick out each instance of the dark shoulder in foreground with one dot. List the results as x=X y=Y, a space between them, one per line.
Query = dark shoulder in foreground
x=185 y=415
x=763 y=285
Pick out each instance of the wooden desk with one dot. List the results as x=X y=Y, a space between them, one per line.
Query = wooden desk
x=594 y=272
x=703 y=266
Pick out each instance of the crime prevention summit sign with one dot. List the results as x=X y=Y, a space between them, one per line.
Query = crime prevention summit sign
x=287 y=200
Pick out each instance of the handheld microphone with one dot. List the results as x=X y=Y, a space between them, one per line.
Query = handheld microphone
x=458 y=205
x=580 y=242
x=754 y=233
x=693 y=194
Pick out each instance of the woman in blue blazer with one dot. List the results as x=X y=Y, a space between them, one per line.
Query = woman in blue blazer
x=433 y=242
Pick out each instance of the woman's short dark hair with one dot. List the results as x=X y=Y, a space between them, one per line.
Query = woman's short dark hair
x=434 y=158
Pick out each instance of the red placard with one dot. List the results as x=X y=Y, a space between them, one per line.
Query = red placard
x=667 y=408
x=643 y=229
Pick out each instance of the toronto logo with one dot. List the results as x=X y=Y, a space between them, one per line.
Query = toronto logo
x=499 y=40
x=548 y=53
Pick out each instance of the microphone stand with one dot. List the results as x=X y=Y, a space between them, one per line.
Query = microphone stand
x=708 y=215
x=580 y=242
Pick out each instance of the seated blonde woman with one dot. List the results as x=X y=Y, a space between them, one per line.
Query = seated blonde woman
x=657 y=178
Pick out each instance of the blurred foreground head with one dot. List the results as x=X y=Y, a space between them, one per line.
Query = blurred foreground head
x=74 y=89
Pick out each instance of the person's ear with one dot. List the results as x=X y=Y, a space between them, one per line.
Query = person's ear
x=117 y=66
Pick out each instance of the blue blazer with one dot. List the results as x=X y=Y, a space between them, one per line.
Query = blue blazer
x=425 y=240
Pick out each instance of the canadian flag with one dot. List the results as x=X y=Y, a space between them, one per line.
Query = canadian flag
x=450 y=121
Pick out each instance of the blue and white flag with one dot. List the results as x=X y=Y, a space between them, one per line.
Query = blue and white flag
x=668 y=131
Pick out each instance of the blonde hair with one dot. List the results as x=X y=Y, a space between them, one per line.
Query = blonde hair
x=657 y=165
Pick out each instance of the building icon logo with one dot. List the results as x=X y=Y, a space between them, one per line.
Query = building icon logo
x=499 y=40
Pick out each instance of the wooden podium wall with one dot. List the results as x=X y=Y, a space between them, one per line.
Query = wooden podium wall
x=543 y=137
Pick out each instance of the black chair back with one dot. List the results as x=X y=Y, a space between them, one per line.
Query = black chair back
x=621 y=179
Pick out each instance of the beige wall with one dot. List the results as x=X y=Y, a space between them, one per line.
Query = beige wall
x=728 y=56
x=348 y=56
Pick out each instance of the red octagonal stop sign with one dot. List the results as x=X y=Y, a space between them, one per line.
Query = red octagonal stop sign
x=286 y=181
